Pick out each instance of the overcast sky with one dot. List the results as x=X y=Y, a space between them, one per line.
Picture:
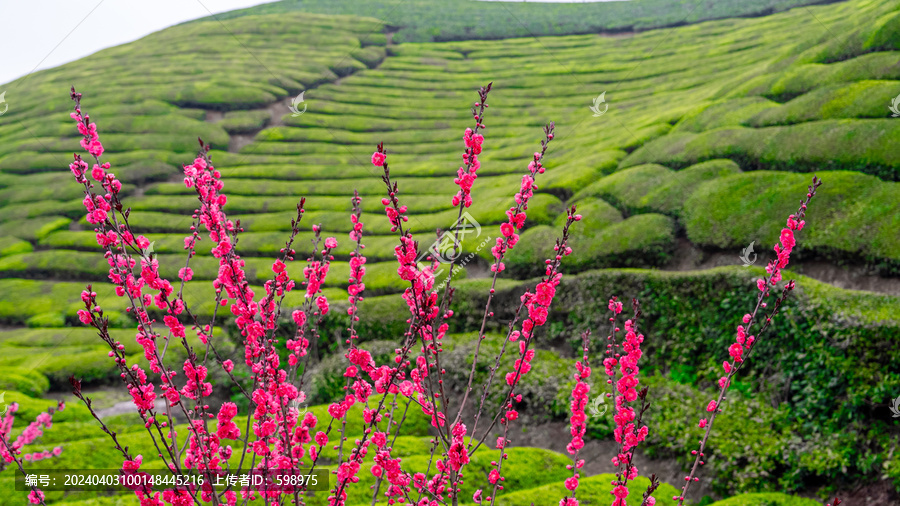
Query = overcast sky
x=39 y=34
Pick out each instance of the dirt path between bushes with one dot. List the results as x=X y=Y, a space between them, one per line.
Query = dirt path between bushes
x=689 y=257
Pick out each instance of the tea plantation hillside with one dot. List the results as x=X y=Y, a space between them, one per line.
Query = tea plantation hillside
x=705 y=138
x=431 y=21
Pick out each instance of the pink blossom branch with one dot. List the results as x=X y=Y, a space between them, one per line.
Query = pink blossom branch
x=506 y=242
x=743 y=345
x=538 y=305
x=35 y=496
x=102 y=211
x=34 y=430
x=578 y=420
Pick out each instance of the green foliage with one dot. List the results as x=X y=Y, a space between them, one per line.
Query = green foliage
x=237 y=122
x=595 y=489
x=61 y=352
x=670 y=196
x=644 y=240
x=857 y=145
x=422 y=21
x=804 y=77
x=627 y=186
x=31 y=407
x=10 y=245
x=854 y=218
x=51 y=319
x=34 y=229
x=565 y=179
x=862 y=99
x=381 y=277
x=601 y=239
x=724 y=113
x=539 y=388
x=766 y=499
x=26 y=381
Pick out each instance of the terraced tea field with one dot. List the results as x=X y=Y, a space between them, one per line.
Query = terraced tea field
x=708 y=135
x=425 y=21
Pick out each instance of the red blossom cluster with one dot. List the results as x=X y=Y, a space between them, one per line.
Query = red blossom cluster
x=12 y=451
x=466 y=175
x=743 y=344
x=578 y=420
x=277 y=436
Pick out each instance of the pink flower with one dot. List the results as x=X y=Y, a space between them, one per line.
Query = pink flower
x=736 y=350
x=299 y=317
x=787 y=239
x=185 y=273
x=378 y=159
x=702 y=423
x=133 y=465
x=322 y=304
x=711 y=406
x=84 y=316
x=36 y=497
x=331 y=243
x=571 y=483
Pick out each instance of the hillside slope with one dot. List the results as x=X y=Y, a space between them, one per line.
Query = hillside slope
x=446 y=20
